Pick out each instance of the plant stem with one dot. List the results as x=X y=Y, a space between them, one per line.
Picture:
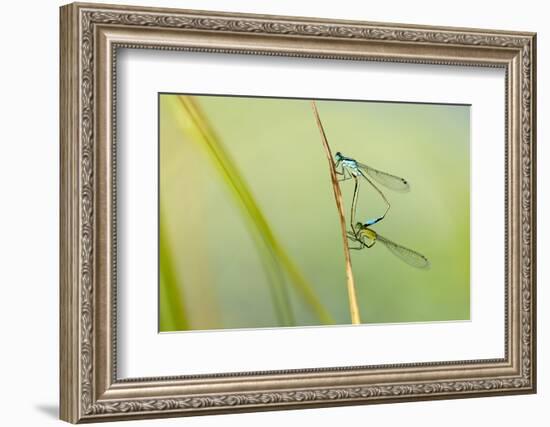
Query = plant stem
x=352 y=296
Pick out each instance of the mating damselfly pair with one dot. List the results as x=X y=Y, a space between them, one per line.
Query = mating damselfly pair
x=361 y=232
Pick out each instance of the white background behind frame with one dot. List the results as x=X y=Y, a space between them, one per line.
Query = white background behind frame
x=30 y=387
x=142 y=352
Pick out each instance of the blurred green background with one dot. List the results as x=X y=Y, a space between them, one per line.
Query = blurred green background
x=233 y=167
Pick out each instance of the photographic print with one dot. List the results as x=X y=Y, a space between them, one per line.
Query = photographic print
x=349 y=212
x=277 y=212
x=323 y=212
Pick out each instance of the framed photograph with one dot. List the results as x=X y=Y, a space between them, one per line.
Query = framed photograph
x=266 y=212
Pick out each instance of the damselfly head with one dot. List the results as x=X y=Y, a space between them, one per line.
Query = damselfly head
x=338 y=156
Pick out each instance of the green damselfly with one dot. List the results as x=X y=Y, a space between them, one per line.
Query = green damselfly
x=367 y=237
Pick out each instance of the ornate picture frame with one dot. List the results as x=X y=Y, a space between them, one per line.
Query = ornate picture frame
x=90 y=37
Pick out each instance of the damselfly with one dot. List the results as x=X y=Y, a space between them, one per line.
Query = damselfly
x=367 y=237
x=351 y=168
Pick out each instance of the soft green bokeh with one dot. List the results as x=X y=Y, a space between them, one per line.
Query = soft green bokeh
x=216 y=269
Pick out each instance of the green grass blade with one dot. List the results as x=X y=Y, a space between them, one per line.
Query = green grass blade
x=195 y=125
x=173 y=315
x=273 y=254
